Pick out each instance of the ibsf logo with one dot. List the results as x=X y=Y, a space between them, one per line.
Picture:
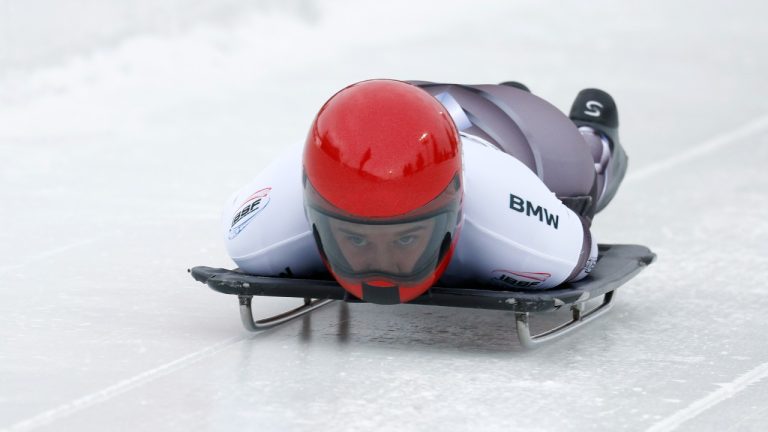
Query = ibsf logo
x=519 y=279
x=252 y=206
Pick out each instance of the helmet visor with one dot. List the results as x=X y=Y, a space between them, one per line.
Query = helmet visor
x=403 y=252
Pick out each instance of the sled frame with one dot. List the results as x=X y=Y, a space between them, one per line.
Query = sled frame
x=579 y=319
x=246 y=313
x=617 y=264
x=522 y=319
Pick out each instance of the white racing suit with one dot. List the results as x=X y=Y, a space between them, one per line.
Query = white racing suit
x=522 y=158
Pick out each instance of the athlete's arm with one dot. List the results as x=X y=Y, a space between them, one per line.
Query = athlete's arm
x=516 y=232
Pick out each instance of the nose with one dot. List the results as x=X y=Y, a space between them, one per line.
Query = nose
x=384 y=260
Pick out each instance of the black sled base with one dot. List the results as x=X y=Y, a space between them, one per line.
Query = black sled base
x=616 y=265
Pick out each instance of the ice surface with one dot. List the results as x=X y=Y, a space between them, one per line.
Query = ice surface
x=122 y=132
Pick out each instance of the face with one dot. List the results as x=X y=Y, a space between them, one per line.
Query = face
x=393 y=249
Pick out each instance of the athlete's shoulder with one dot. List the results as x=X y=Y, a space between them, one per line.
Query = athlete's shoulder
x=512 y=221
x=483 y=159
x=267 y=210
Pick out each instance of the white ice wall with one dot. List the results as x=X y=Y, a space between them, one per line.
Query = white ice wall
x=37 y=33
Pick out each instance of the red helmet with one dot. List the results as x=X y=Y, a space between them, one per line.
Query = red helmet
x=383 y=189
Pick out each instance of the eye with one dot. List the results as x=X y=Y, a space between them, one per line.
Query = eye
x=357 y=240
x=407 y=240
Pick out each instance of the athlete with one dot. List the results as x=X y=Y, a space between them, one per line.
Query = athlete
x=402 y=185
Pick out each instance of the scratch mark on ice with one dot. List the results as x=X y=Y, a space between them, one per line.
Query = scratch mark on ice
x=724 y=392
x=47 y=254
x=701 y=149
x=119 y=388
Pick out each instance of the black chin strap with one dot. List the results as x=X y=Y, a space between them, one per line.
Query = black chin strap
x=381 y=295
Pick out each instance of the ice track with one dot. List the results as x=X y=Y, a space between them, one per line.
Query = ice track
x=122 y=133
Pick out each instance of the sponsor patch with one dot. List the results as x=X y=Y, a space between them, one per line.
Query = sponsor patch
x=517 y=279
x=252 y=206
x=528 y=208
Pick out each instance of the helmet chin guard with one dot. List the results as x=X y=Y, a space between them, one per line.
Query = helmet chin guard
x=383 y=189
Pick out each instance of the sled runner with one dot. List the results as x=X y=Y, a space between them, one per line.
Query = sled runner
x=616 y=265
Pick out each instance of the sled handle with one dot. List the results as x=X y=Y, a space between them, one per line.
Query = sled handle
x=246 y=314
x=522 y=322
